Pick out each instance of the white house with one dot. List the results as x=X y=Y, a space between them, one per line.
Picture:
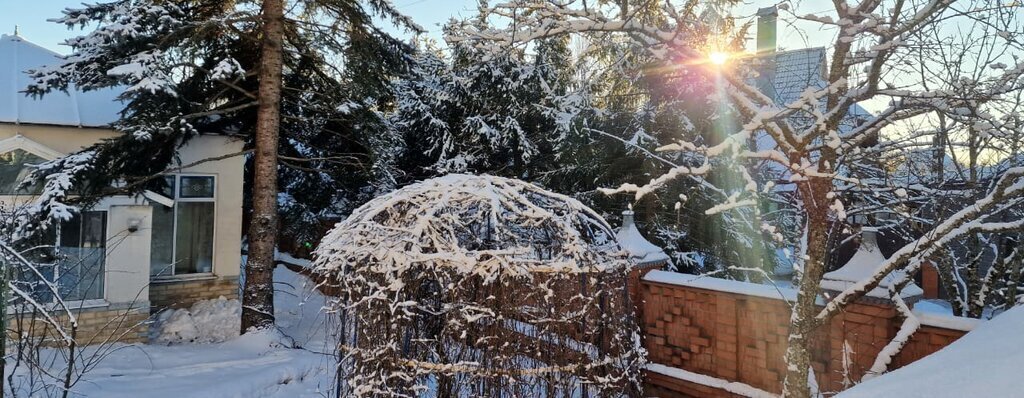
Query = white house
x=126 y=256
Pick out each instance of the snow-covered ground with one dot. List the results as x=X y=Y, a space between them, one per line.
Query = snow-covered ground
x=986 y=362
x=254 y=365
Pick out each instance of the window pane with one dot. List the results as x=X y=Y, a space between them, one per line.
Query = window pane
x=196 y=187
x=14 y=168
x=194 y=251
x=161 y=249
x=40 y=250
x=82 y=254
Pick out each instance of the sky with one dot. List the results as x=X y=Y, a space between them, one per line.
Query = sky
x=30 y=18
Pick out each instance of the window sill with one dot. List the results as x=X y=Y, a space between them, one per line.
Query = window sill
x=182 y=278
x=55 y=308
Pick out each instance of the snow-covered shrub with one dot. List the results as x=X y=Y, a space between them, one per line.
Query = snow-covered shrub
x=208 y=321
x=481 y=286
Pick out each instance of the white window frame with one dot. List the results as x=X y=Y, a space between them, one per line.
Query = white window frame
x=174 y=231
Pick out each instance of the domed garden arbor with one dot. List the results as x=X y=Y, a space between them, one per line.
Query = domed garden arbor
x=481 y=286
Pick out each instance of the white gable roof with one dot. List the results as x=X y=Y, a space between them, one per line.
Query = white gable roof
x=24 y=143
x=95 y=108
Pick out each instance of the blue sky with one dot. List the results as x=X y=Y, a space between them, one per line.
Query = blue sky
x=31 y=16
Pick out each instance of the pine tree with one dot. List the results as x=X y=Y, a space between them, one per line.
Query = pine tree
x=576 y=119
x=206 y=67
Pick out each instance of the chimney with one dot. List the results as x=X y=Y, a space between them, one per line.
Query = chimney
x=766 y=29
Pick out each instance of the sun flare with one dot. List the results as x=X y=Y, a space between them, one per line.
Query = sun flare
x=718 y=58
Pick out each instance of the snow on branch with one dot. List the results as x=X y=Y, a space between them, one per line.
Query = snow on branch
x=482 y=225
x=973 y=218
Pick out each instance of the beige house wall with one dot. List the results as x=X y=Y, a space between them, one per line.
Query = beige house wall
x=127 y=276
x=227 y=246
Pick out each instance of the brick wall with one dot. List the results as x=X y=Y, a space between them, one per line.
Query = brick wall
x=184 y=293
x=742 y=338
x=96 y=325
x=925 y=341
x=126 y=324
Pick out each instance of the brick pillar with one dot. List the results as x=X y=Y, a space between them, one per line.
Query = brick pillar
x=633 y=285
x=930 y=281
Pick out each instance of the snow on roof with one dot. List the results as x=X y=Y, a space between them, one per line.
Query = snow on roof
x=793 y=73
x=984 y=363
x=95 y=108
x=640 y=249
x=865 y=262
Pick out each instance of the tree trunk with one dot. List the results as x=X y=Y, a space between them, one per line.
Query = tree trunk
x=803 y=321
x=258 y=293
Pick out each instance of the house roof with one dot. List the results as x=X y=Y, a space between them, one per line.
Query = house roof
x=784 y=76
x=797 y=70
x=94 y=108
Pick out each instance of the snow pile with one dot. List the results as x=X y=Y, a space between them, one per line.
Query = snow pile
x=984 y=363
x=208 y=321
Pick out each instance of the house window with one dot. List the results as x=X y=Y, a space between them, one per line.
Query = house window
x=182 y=241
x=70 y=256
x=14 y=167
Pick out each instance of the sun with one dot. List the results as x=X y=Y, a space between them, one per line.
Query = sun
x=718 y=57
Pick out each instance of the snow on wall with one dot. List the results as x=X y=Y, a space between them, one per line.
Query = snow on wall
x=714 y=382
x=95 y=108
x=931 y=313
x=721 y=285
